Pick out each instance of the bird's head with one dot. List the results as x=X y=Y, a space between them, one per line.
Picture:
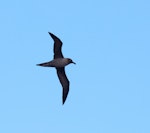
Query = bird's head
x=70 y=61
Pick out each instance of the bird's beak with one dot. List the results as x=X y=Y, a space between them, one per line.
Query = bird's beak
x=73 y=62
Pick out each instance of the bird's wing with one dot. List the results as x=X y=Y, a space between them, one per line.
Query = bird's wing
x=57 y=46
x=64 y=82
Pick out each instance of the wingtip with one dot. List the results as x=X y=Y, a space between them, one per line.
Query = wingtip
x=52 y=35
x=64 y=100
x=55 y=38
x=49 y=33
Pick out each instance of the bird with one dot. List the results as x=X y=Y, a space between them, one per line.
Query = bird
x=59 y=62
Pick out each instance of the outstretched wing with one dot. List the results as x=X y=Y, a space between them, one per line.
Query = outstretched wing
x=57 y=46
x=64 y=82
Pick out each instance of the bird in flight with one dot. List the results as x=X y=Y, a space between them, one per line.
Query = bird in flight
x=59 y=62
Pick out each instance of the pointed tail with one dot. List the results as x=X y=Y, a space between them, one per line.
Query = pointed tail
x=46 y=64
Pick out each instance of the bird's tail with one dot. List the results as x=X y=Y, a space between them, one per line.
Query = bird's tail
x=46 y=64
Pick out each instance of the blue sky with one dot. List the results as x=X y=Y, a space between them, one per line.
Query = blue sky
x=109 y=85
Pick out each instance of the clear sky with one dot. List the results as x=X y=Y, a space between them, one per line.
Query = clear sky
x=110 y=83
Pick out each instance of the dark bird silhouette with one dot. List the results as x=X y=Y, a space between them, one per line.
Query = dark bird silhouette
x=59 y=62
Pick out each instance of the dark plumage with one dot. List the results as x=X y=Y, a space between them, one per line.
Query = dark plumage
x=59 y=62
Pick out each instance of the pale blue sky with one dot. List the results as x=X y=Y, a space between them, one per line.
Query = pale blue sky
x=110 y=85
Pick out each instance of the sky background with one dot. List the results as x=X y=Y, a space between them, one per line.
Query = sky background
x=110 y=83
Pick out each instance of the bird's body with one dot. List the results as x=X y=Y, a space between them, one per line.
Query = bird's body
x=59 y=62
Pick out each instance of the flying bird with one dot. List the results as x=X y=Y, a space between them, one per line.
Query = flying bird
x=59 y=62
